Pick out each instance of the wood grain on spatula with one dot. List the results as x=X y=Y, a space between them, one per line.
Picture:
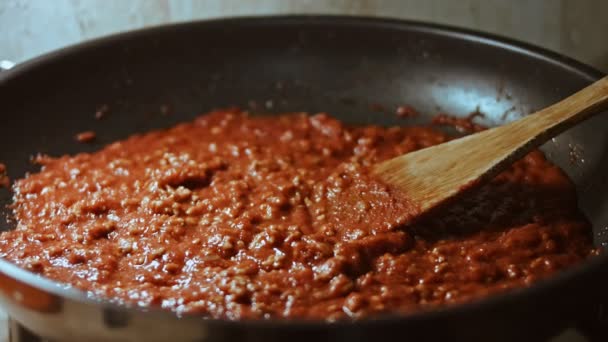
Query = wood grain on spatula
x=435 y=174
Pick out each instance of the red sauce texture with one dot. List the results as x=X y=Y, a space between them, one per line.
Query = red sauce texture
x=4 y=180
x=236 y=216
x=86 y=137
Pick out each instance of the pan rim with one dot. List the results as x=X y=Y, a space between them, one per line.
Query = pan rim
x=573 y=66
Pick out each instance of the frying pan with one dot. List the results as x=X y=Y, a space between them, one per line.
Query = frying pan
x=349 y=67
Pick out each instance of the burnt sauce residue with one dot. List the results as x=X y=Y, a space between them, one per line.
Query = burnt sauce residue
x=233 y=216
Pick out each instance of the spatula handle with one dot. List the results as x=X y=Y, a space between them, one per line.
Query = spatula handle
x=557 y=118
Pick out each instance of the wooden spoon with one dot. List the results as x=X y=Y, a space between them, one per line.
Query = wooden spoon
x=435 y=174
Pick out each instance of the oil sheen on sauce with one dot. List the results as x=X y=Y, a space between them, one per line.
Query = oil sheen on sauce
x=236 y=216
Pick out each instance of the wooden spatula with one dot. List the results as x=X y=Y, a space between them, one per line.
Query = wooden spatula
x=433 y=175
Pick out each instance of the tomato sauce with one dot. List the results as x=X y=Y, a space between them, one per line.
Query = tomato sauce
x=236 y=216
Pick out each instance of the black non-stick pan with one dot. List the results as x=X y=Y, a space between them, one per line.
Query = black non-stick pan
x=349 y=67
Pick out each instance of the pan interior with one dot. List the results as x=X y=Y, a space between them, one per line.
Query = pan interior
x=358 y=74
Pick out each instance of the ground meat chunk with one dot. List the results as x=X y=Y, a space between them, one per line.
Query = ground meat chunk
x=4 y=180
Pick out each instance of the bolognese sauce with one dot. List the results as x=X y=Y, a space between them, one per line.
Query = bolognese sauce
x=236 y=216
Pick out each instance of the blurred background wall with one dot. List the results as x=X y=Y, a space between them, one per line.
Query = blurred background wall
x=578 y=28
